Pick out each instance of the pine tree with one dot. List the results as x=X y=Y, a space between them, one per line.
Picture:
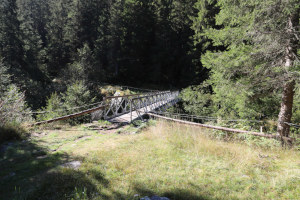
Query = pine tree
x=11 y=46
x=261 y=40
x=115 y=35
x=4 y=77
x=58 y=51
x=29 y=14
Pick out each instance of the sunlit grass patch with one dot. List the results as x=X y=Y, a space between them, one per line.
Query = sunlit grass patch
x=165 y=159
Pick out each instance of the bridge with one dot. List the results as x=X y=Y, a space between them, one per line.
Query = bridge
x=131 y=107
x=126 y=108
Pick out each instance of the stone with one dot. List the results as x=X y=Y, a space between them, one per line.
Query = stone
x=42 y=157
x=72 y=165
x=154 y=198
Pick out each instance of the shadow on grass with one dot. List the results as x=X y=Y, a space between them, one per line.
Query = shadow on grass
x=23 y=164
x=29 y=171
x=69 y=184
x=174 y=194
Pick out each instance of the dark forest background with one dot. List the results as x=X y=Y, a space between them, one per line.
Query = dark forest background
x=46 y=43
x=233 y=59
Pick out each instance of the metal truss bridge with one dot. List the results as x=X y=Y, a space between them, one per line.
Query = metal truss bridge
x=127 y=108
x=132 y=107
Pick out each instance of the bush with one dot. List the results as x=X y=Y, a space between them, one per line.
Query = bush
x=76 y=96
x=53 y=108
x=4 y=77
x=12 y=132
x=13 y=110
x=197 y=100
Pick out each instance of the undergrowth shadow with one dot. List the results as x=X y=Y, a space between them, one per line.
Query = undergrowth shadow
x=30 y=171
x=21 y=164
x=174 y=194
x=69 y=184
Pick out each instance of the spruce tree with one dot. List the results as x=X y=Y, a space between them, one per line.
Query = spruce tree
x=29 y=15
x=261 y=40
x=11 y=46
x=58 y=51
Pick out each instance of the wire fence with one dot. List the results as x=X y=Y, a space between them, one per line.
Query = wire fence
x=253 y=125
x=208 y=118
x=293 y=125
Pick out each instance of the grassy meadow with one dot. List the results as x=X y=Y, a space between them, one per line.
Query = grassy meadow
x=165 y=159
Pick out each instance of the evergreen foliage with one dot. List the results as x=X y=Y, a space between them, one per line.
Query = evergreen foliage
x=13 y=108
x=198 y=100
x=53 y=108
x=260 y=57
x=245 y=52
x=73 y=100
x=149 y=42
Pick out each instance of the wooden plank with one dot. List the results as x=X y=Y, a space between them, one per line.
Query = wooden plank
x=70 y=116
x=218 y=127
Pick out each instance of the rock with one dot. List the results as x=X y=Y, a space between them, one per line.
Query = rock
x=42 y=157
x=155 y=198
x=38 y=134
x=72 y=165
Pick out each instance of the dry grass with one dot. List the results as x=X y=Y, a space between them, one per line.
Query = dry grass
x=167 y=159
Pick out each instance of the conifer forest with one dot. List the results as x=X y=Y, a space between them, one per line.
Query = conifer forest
x=226 y=65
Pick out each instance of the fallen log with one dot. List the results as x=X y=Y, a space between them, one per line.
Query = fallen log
x=221 y=128
x=69 y=116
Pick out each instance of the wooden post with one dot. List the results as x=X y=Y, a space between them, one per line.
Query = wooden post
x=130 y=110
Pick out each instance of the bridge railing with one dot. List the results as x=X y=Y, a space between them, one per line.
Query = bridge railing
x=120 y=105
x=146 y=104
x=115 y=106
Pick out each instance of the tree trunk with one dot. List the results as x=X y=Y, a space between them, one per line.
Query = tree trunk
x=286 y=109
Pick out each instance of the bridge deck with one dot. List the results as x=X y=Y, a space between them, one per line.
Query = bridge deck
x=126 y=118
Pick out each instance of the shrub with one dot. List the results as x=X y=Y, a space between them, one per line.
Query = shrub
x=13 y=109
x=197 y=100
x=76 y=96
x=53 y=108
x=4 y=77
x=12 y=132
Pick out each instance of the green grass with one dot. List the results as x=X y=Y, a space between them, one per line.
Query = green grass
x=104 y=123
x=166 y=159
